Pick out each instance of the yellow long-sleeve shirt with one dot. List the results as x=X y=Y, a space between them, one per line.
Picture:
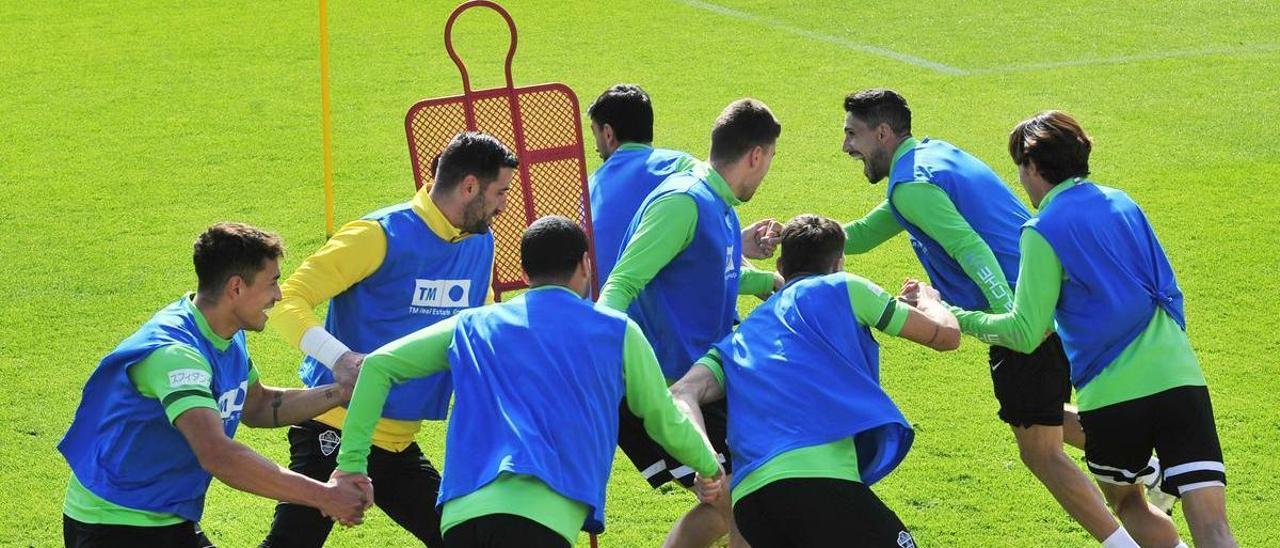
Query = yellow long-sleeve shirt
x=354 y=253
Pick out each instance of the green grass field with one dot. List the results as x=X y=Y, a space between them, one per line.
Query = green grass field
x=128 y=127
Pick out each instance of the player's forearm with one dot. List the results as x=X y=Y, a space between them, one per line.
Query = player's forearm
x=947 y=336
x=363 y=412
x=980 y=264
x=753 y=281
x=1039 y=283
x=241 y=468
x=286 y=406
x=1010 y=330
x=292 y=317
x=703 y=384
x=873 y=229
x=675 y=432
x=931 y=210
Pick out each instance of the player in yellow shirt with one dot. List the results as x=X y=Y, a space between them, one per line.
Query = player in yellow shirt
x=393 y=272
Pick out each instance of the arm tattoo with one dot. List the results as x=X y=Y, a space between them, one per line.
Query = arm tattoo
x=275 y=408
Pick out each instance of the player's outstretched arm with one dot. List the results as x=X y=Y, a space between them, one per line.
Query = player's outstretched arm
x=928 y=207
x=416 y=355
x=1023 y=328
x=354 y=253
x=238 y=466
x=929 y=322
x=270 y=407
x=873 y=229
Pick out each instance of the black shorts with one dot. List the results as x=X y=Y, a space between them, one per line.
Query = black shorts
x=658 y=466
x=805 y=512
x=405 y=488
x=1031 y=388
x=1176 y=423
x=77 y=534
x=502 y=531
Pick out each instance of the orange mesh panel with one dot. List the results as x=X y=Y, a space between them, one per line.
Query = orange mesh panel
x=552 y=178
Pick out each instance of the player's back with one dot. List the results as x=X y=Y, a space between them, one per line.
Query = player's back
x=617 y=190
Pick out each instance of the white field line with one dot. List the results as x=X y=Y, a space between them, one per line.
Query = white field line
x=835 y=40
x=952 y=70
x=1125 y=59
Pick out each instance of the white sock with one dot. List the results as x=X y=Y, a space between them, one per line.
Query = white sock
x=1181 y=545
x=1120 y=539
x=1154 y=463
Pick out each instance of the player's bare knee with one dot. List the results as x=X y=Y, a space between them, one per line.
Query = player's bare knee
x=1125 y=498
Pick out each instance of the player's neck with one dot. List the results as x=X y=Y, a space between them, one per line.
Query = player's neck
x=220 y=318
x=734 y=175
x=453 y=210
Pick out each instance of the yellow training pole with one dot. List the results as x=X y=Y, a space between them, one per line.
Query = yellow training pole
x=325 y=123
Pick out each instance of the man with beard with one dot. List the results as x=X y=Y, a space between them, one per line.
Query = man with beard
x=964 y=223
x=393 y=272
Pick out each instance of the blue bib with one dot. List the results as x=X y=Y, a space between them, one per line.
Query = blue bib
x=539 y=381
x=1117 y=274
x=693 y=300
x=981 y=198
x=422 y=280
x=617 y=190
x=121 y=445
x=801 y=371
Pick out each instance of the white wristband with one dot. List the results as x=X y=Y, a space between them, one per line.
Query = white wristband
x=322 y=346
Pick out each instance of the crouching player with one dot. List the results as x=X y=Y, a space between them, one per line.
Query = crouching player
x=811 y=428
x=157 y=416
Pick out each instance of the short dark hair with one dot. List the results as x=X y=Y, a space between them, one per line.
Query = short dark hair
x=810 y=243
x=626 y=109
x=232 y=249
x=552 y=247
x=880 y=106
x=742 y=126
x=472 y=153
x=1055 y=142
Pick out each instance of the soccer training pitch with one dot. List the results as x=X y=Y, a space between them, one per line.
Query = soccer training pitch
x=126 y=128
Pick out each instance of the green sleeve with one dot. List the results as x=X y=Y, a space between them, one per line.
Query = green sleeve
x=871 y=230
x=666 y=228
x=254 y=377
x=178 y=376
x=712 y=361
x=1039 y=283
x=649 y=399
x=875 y=307
x=416 y=355
x=753 y=281
x=928 y=207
